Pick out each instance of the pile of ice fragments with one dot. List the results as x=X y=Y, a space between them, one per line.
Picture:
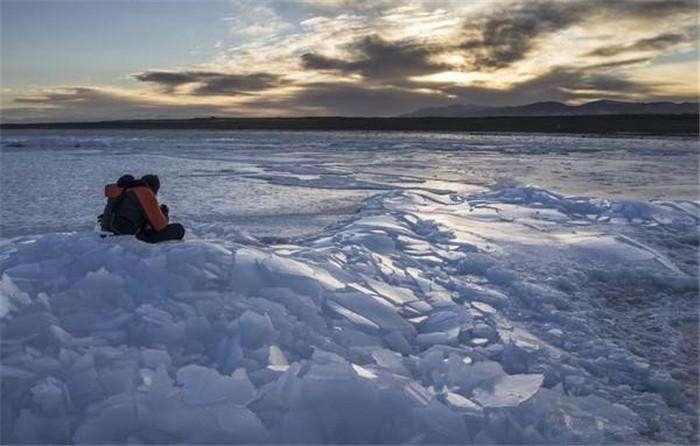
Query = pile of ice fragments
x=402 y=324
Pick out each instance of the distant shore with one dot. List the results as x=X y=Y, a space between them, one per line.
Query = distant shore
x=649 y=124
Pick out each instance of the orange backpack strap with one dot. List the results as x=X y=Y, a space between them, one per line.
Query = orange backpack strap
x=149 y=204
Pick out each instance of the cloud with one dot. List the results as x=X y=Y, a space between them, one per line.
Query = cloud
x=491 y=40
x=658 y=43
x=343 y=6
x=254 y=19
x=507 y=36
x=166 y=79
x=562 y=83
x=88 y=103
x=376 y=58
x=347 y=99
x=69 y=95
x=210 y=82
x=389 y=57
x=643 y=9
x=620 y=63
x=318 y=98
x=558 y=84
x=237 y=84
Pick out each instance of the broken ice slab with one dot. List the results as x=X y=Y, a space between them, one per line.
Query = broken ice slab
x=470 y=291
x=369 y=308
x=440 y=297
x=398 y=343
x=11 y=296
x=587 y=420
x=483 y=307
x=448 y=337
x=276 y=359
x=395 y=294
x=389 y=360
x=387 y=266
x=508 y=390
x=442 y=321
x=386 y=222
x=205 y=386
x=418 y=320
x=352 y=316
x=255 y=269
x=256 y=329
x=462 y=404
x=479 y=342
x=50 y=394
x=522 y=339
x=468 y=377
x=363 y=372
x=191 y=296
x=377 y=241
x=482 y=330
x=152 y=358
x=421 y=307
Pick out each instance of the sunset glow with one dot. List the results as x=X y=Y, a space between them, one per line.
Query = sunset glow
x=108 y=60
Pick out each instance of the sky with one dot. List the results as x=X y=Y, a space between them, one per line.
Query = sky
x=96 y=60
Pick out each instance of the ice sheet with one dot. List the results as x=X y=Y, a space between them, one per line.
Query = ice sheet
x=429 y=312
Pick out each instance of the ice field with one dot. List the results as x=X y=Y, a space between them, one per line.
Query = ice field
x=352 y=287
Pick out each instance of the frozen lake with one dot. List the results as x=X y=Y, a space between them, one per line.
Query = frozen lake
x=352 y=287
x=295 y=182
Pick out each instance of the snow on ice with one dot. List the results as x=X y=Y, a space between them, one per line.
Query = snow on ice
x=496 y=316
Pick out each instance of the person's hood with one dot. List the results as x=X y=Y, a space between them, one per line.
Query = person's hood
x=114 y=190
x=125 y=179
x=153 y=182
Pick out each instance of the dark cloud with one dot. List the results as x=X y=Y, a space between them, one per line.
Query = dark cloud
x=211 y=83
x=91 y=104
x=658 y=43
x=619 y=63
x=232 y=84
x=507 y=36
x=642 y=9
x=168 y=79
x=558 y=84
x=68 y=95
x=346 y=99
x=377 y=59
x=314 y=61
x=497 y=40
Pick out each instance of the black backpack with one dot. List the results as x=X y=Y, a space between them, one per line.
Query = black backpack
x=111 y=219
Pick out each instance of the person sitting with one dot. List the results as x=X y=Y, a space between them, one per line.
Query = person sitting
x=132 y=208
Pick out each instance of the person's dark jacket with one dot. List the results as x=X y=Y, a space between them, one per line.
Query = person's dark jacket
x=131 y=207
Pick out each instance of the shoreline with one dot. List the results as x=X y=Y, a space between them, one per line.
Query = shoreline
x=626 y=125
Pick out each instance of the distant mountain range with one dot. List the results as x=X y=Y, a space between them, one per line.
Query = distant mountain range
x=552 y=108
